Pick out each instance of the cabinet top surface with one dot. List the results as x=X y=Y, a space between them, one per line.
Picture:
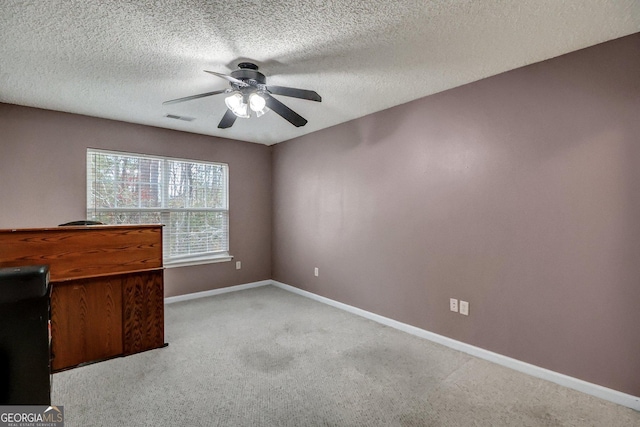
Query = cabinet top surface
x=84 y=251
x=81 y=228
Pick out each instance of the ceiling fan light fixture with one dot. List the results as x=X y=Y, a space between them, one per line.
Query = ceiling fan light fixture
x=262 y=112
x=236 y=103
x=257 y=102
x=249 y=93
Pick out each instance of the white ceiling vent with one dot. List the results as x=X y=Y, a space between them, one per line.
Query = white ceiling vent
x=184 y=118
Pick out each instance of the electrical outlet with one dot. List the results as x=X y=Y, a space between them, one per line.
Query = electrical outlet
x=315 y=271
x=453 y=304
x=238 y=265
x=464 y=307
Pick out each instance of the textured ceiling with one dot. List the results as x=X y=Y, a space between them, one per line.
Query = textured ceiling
x=120 y=60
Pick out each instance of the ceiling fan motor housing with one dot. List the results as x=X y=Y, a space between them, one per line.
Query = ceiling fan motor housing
x=249 y=73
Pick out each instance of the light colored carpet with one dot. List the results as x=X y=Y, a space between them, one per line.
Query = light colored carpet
x=267 y=357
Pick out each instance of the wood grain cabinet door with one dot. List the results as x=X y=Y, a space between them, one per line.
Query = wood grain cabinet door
x=86 y=321
x=143 y=311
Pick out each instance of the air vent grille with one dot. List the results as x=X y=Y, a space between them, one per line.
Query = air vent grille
x=183 y=118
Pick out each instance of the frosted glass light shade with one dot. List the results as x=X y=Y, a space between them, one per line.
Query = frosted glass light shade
x=236 y=104
x=262 y=112
x=257 y=102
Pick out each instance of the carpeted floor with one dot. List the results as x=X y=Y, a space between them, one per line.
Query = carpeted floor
x=267 y=357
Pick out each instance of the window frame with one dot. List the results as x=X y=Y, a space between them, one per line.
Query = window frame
x=164 y=211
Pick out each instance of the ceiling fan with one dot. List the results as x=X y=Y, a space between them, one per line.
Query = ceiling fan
x=249 y=93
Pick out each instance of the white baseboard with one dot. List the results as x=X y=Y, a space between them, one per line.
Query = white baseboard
x=203 y=294
x=601 y=392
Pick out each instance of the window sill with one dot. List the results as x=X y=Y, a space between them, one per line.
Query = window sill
x=198 y=261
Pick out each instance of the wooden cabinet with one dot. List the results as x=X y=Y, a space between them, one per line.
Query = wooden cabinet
x=107 y=294
x=86 y=320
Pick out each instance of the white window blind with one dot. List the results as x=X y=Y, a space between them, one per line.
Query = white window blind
x=190 y=198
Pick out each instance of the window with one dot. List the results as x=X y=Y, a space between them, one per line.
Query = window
x=190 y=198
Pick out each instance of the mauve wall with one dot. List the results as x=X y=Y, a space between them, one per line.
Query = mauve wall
x=519 y=193
x=43 y=183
